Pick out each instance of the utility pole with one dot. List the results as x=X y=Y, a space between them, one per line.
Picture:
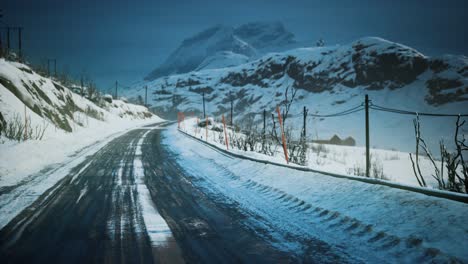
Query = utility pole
x=230 y=96
x=20 y=55
x=48 y=67
x=116 y=84
x=55 y=68
x=146 y=94
x=264 y=132
x=305 y=121
x=82 y=88
x=264 y=122
x=367 y=137
x=8 y=40
x=204 y=114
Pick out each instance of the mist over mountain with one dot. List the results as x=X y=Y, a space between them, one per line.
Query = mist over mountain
x=263 y=35
x=246 y=41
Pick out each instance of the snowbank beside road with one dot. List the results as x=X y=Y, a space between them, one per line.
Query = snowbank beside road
x=367 y=222
x=20 y=160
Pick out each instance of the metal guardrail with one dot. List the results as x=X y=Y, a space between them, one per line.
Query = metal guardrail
x=459 y=197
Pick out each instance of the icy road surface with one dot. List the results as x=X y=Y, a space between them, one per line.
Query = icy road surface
x=154 y=195
x=131 y=203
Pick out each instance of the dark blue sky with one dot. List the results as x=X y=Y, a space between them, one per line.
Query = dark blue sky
x=125 y=40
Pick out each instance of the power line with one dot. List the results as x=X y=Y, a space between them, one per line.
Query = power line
x=405 y=112
x=342 y=113
x=198 y=96
x=124 y=86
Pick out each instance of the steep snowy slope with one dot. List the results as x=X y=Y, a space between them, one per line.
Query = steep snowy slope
x=249 y=40
x=59 y=122
x=332 y=79
x=45 y=100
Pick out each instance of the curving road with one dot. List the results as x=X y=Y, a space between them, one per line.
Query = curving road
x=132 y=203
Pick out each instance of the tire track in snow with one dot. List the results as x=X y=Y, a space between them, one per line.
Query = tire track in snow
x=70 y=223
x=155 y=225
x=206 y=230
x=132 y=210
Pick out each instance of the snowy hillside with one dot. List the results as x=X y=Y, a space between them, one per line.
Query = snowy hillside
x=48 y=101
x=58 y=121
x=329 y=80
x=249 y=40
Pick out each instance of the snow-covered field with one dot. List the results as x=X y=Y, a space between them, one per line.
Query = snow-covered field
x=395 y=165
x=366 y=222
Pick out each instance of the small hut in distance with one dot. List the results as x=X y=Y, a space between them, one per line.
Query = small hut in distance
x=336 y=140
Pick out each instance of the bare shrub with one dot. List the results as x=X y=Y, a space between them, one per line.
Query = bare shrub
x=221 y=138
x=321 y=151
x=94 y=113
x=291 y=91
x=452 y=162
x=304 y=150
x=357 y=170
x=455 y=163
x=296 y=148
x=376 y=167
x=21 y=130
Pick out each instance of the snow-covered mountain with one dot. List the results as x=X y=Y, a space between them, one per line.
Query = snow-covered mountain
x=222 y=59
x=265 y=36
x=226 y=45
x=330 y=79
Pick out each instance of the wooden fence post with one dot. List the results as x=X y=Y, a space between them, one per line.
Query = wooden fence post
x=282 y=135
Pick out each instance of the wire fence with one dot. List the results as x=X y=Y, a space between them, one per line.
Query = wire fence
x=361 y=107
x=414 y=113
x=270 y=137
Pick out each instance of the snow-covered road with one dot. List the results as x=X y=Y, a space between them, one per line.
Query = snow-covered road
x=97 y=213
x=156 y=195
x=130 y=202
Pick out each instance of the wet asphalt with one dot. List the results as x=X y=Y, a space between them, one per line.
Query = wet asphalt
x=93 y=215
